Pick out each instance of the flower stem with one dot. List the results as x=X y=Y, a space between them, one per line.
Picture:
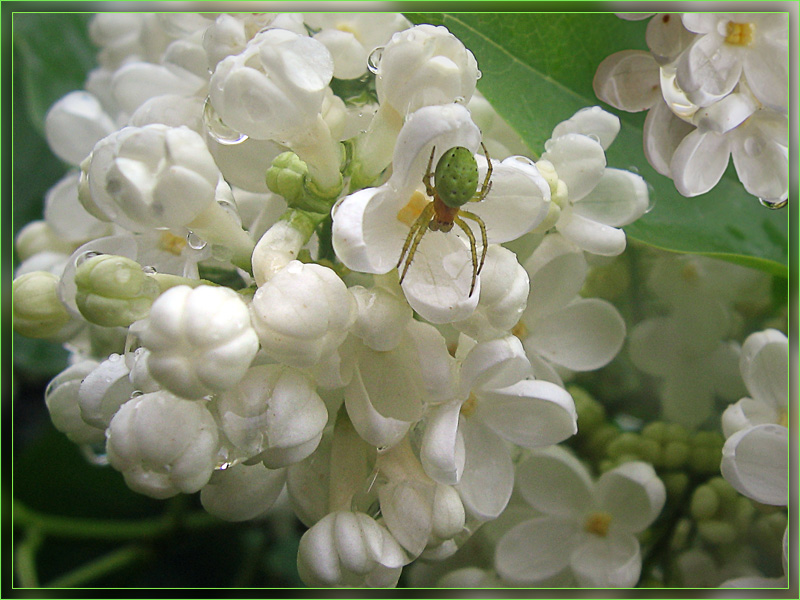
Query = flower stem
x=25 y=563
x=104 y=565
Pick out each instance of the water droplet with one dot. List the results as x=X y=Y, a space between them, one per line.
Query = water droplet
x=478 y=75
x=382 y=449
x=633 y=169
x=651 y=198
x=195 y=241
x=95 y=454
x=774 y=203
x=82 y=258
x=217 y=129
x=114 y=357
x=136 y=394
x=524 y=160
x=459 y=99
x=374 y=60
x=149 y=269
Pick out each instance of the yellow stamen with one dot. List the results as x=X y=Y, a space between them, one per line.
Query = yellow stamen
x=783 y=418
x=689 y=272
x=740 y=34
x=409 y=213
x=520 y=330
x=172 y=243
x=598 y=523
x=470 y=406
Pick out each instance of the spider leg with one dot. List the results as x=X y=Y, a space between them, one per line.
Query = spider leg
x=416 y=232
x=487 y=184
x=460 y=222
x=482 y=225
x=429 y=175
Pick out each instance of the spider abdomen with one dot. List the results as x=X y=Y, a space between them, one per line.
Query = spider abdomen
x=456 y=177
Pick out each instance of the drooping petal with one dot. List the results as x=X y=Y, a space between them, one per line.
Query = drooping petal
x=442 y=449
x=492 y=365
x=764 y=364
x=437 y=284
x=628 y=80
x=529 y=413
x=579 y=161
x=488 y=477
x=589 y=235
x=611 y=561
x=526 y=554
x=619 y=198
x=755 y=462
x=557 y=270
x=699 y=162
x=518 y=201
x=554 y=482
x=663 y=133
x=747 y=413
x=633 y=494
x=583 y=336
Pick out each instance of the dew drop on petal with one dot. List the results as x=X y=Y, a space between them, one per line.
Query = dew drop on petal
x=95 y=454
x=478 y=75
x=195 y=241
x=136 y=394
x=217 y=129
x=82 y=258
x=774 y=203
x=374 y=60
x=149 y=270
x=651 y=198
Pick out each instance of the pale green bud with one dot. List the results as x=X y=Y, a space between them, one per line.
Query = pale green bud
x=113 y=291
x=38 y=236
x=674 y=455
x=288 y=177
x=717 y=532
x=705 y=502
x=591 y=413
x=38 y=312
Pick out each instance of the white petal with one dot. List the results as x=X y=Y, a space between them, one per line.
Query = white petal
x=589 y=235
x=591 y=121
x=392 y=381
x=766 y=69
x=747 y=413
x=619 y=198
x=761 y=162
x=579 y=161
x=526 y=554
x=764 y=364
x=700 y=22
x=585 y=335
x=442 y=450
x=519 y=200
x=663 y=132
x=557 y=270
x=699 y=162
x=492 y=365
x=348 y=233
x=726 y=114
x=377 y=430
x=437 y=283
x=612 y=561
x=383 y=233
x=529 y=413
x=708 y=68
x=755 y=462
x=667 y=37
x=628 y=80
x=633 y=494
x=488 y=478
x=554 y=482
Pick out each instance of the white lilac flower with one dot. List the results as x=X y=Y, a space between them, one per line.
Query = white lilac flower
x=302 y=314
x=593 y=201
x=558 y=329
x=38 y=311
x=61 y=398
x=74 y=124
x=349 y=549
x=464 y=440
x=67 y=217
x=104 y=390
x=242 y=492
x=729 y=46
x=351 y=37
x=371 y=226
x=200 y=340
x=273 y=414
x=755 y=455
x=162 y=444
x=585 y=527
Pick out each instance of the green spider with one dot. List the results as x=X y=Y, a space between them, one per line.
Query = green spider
x=455 y=184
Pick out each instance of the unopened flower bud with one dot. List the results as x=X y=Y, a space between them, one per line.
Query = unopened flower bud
x=38 y=313
x=242 y=492
x=61 y=398
x=74 y=124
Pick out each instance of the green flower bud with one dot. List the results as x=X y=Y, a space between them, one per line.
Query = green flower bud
x=674 y=455
x=38 y=312
x=706 y=452
x=680 y=534
x=113 y=291
x=599 y=440
x=650 y=451
x=591 y=414
x=38 y=236
x=705 y=503
x=626 y=443
x=743 y=511
x=676 y=483
x=288 y=177
x=717 y=532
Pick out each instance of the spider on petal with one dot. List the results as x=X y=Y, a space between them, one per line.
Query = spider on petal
x=455 y=182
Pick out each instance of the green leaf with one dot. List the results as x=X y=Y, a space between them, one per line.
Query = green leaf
x=54 y=54
x=537 y=70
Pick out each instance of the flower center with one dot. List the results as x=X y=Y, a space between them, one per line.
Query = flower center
x=470 y=406
x=597 y=523
x=783 y=418
x=740 y=34
x=172 y=243
x=409 y=213
x=520 y=330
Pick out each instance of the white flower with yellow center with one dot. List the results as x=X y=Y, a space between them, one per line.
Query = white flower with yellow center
x=585 y=527
x=371 y=226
